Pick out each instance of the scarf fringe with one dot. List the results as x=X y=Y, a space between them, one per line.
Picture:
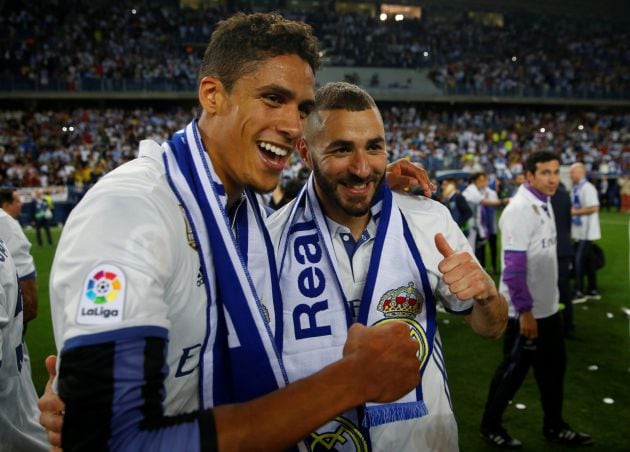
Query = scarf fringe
x=393 y=412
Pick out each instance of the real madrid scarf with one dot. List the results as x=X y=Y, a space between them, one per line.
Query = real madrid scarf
x=240 y=359
x=575 y=192
x=316 y=311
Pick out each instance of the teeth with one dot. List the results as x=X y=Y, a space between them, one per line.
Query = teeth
x=275 y=149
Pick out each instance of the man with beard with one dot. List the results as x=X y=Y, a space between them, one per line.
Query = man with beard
x=349 y=250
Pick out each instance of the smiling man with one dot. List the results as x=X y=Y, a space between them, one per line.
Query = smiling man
x=534 y=336
x=164 y=291
x=349 y=250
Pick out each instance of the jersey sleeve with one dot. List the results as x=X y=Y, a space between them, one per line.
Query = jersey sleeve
x=515 y=230
x=4 y=320
x=113 y=262
x=591 y=199
x=113 y=389
x=18 y=245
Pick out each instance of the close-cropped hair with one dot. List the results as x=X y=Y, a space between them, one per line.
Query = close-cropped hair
x=243 y=40
x=539 y=157
x=6 y=196
x=343 y=96
x=477 y=175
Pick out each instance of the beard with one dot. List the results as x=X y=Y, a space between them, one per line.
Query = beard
x=357 y=208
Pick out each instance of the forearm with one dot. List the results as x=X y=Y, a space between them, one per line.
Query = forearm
x=489 y=316
x=515 y=278
x=577 y=211
x=491 y=202
x=283 y=418
x=29 y=299
x=114 y=393
x=380 y=364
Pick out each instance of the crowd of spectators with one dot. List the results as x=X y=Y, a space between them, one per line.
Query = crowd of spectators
x=74 y=148
x=47 y=47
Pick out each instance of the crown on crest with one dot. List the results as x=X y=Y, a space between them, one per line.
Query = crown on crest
x=405 y=302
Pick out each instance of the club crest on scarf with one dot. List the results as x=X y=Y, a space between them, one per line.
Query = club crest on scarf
x=404 y=304
x=345 y=434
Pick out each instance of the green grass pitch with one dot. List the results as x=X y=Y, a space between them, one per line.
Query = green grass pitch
x=602 y=340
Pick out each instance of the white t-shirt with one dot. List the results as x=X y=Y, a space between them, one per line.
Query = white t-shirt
x=19 y=415
x=436 y=431
x=586 y=227
x=526 y=227
x=19 y=246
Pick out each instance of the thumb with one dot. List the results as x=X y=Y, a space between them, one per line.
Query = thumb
x=442 y=245
x=51 y=363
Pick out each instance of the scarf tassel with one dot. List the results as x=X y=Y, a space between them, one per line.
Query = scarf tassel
x=393 y=412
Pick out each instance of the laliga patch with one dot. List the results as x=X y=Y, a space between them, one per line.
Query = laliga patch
x=103 y=296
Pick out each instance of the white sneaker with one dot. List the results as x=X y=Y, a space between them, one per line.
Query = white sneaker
x=579 y=298
x=593 y=295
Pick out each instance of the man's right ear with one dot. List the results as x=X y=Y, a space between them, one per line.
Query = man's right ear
x=302 y=148
x=212 y=95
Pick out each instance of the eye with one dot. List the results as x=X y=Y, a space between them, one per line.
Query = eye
x=272 y=99
x=375 y=147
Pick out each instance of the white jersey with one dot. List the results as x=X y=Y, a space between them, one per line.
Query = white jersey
x=436 y=431
x=474 y=196
x=19 y=246
x=585 y=227
x=19 y=415
x=126 y=259
x=527 y=225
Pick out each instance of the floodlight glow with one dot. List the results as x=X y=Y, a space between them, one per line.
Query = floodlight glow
x=580 y=127
x=425 y=53
x=542 y=130
x=134 y=11
x=514 y=58
x=383 y=16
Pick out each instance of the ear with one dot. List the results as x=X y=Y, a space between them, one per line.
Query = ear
x=302 y=148
x=529 y=177
x=212 y=95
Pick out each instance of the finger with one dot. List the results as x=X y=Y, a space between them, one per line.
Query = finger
x=55 y=441
x=51 y=367
x=442 y=245
x=455 y=269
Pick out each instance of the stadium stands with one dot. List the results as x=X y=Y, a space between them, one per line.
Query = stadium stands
x=158 y=48
x=102 y=48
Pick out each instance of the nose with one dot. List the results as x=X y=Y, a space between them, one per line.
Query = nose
x=359 y=164
x=292 y=123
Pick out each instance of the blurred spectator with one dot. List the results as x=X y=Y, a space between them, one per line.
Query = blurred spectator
x=456 y=203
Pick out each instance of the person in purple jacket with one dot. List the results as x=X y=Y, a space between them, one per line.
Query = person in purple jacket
x=534 y=335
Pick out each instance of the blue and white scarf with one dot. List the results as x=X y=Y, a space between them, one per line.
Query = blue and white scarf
x=316 y=312
x=239 y=358
x=575 y=192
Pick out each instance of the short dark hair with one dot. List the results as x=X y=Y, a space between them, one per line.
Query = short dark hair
x=539 y=157
x=6 y=196
x=243 y=40
x=343 y=96
x=477 y=175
